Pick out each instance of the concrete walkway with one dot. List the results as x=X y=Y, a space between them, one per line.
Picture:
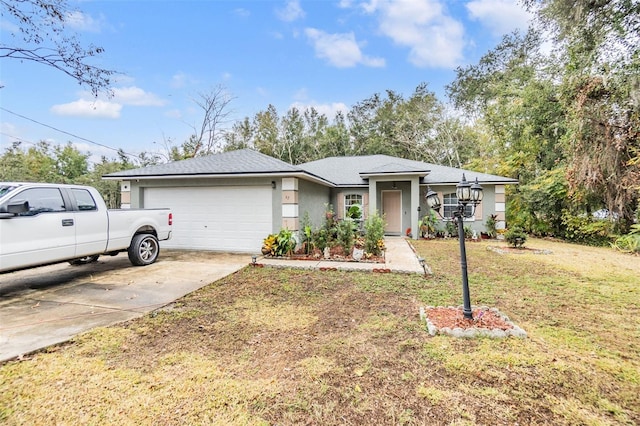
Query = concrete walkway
x=400 y=257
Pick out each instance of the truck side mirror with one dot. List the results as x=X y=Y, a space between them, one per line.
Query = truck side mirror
x=17 y=208
x=10 y=210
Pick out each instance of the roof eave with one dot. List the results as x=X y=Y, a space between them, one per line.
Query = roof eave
x=366 y=175
x=496 y=182
x=302 y=175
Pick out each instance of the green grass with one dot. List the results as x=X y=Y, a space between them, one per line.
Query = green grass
x=282 y=347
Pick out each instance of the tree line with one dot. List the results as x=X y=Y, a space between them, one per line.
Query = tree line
x=565 y=122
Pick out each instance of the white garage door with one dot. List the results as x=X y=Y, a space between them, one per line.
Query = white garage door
x=230 y=218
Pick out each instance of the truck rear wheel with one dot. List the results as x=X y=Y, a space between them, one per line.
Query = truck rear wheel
x=144 y=249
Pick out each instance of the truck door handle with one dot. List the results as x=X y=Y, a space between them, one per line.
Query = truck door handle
x=67 y=222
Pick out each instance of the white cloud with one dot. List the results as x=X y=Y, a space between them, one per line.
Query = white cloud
x=242 y=12
x=345 y=4
x=434 y=38
x=96 y=151
x=85 y=108
x=499 y=16
x=329 y=110
x=291 y=12
x=82 y=22
x=136 y=96
x=340 y=50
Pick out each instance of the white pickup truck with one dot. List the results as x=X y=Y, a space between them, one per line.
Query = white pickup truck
x=43 y=223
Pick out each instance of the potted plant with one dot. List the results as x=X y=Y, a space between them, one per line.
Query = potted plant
x=269 y=245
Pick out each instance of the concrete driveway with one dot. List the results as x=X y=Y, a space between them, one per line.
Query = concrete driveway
x=48 y=305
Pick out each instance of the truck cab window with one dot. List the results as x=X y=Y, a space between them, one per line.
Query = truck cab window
x=84 y=200
x=41 y=200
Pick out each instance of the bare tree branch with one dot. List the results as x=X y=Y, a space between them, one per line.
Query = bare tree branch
x=208 y=136
x=41 y=37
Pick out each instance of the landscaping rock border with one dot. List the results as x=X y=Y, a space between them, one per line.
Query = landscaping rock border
x=472 y=332
x=512 y=250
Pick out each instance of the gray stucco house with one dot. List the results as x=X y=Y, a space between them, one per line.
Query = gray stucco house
x=232 y=200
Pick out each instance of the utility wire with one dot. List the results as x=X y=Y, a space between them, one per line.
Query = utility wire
x=19 y=139
x=69 y=134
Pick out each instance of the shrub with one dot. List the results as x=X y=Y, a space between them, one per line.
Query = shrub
x=468 y=232
x=354 y=212
x=374 y=234
x=321 y=239
x=516 y=237
x=346 y=235
x=306 y=234
x=629 y=243
x=285 y=243
x=584 y=229
x=429 y=224
x=451 y=228
x=490 y=225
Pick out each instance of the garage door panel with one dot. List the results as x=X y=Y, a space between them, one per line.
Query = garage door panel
x=216 y=218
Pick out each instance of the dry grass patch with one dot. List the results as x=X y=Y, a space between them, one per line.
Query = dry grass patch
x=268 y=346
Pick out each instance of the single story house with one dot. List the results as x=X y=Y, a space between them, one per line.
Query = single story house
x=231 y=201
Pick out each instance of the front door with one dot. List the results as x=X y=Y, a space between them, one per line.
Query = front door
x=392 y=211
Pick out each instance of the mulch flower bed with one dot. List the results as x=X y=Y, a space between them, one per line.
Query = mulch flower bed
x=336 y=254
x=486 y=322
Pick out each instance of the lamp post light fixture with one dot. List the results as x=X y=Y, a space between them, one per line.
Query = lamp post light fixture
x=466 y=193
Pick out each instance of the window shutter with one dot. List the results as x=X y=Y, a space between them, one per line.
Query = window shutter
x=478 y=213
x=340 y=206
x=365 y=205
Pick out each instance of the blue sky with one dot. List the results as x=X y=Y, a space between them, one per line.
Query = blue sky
x=322 y=53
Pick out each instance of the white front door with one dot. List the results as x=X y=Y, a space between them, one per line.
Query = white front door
x=221 y=218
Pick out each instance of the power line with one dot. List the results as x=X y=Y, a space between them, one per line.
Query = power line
x=19 y=139
x=69 y=134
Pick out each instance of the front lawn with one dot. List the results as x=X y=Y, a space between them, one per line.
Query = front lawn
x=269 y=346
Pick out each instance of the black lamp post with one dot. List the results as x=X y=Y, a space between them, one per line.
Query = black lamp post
x=467 y=194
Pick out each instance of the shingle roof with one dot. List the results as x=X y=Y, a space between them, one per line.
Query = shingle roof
x=341 y=171
x=393 y=168
x=349 y=171
x=242 y=161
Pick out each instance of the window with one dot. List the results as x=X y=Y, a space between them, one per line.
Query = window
x=41 y=200
x=450 y=205
x=5 y=189
x=353 y=206
x=84 y=200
